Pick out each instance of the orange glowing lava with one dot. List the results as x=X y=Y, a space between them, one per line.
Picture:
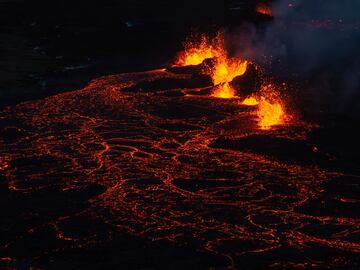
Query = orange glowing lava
x=264 y=9
x=224 y=90
x=226 y=69
x=196 y=53
x=270 y=113
x=270 y=110
x=250 y=101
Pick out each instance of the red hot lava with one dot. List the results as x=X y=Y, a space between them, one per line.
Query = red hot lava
x=270 y=111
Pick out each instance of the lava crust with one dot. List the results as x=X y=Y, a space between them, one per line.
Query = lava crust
x=124 y=174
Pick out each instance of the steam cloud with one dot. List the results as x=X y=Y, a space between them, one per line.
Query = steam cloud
x=316 y=41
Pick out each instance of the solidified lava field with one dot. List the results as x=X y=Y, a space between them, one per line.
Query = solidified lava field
x=147 y=171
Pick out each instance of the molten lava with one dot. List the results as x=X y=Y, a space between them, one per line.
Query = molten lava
x=264 y=9
x=269 y=113
x=196 y=53
x=226 y=69
x=269 y=110
x=250 y=101
x=224 y=90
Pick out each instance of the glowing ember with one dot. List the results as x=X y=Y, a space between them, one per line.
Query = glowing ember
x=195 y=54
x=269 y=113
x=264 y=9
x=224 y=90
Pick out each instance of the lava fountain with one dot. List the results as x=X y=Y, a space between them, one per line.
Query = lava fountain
x=223 y=70
x=269 y=113
x=196 y=52
x=270 y=110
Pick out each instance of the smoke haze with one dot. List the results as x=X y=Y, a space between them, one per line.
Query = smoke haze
x=318 y=42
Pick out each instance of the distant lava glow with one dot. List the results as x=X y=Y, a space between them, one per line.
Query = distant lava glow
x=264 y=9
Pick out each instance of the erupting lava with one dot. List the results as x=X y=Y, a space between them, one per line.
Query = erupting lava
x=224 y=90
x=270 y=111
x=225 y=70
x=137 y=168
x=250 y=101
x=195 y=54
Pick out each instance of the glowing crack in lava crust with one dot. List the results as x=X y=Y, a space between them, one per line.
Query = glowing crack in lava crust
x=154 y=156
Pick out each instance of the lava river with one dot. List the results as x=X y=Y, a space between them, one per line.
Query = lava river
x=150 y=171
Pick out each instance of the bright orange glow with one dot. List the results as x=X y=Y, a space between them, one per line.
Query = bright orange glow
x=263 y=8
x=270 y=113
x=270 y=110
x=224 y=90
x=226 y=69
x=250 y=101
x=195 y=54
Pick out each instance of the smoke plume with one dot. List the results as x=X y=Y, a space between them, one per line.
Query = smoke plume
x=318 y=43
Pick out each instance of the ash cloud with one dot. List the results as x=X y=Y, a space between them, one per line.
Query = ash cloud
x=318 y=43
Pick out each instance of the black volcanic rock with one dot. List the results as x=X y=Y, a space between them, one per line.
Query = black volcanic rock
x=192 y=69
x=282 y=149
x=197 y=81
x=248 y=83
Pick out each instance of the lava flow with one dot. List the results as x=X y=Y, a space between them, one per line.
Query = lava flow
x=148 y=170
